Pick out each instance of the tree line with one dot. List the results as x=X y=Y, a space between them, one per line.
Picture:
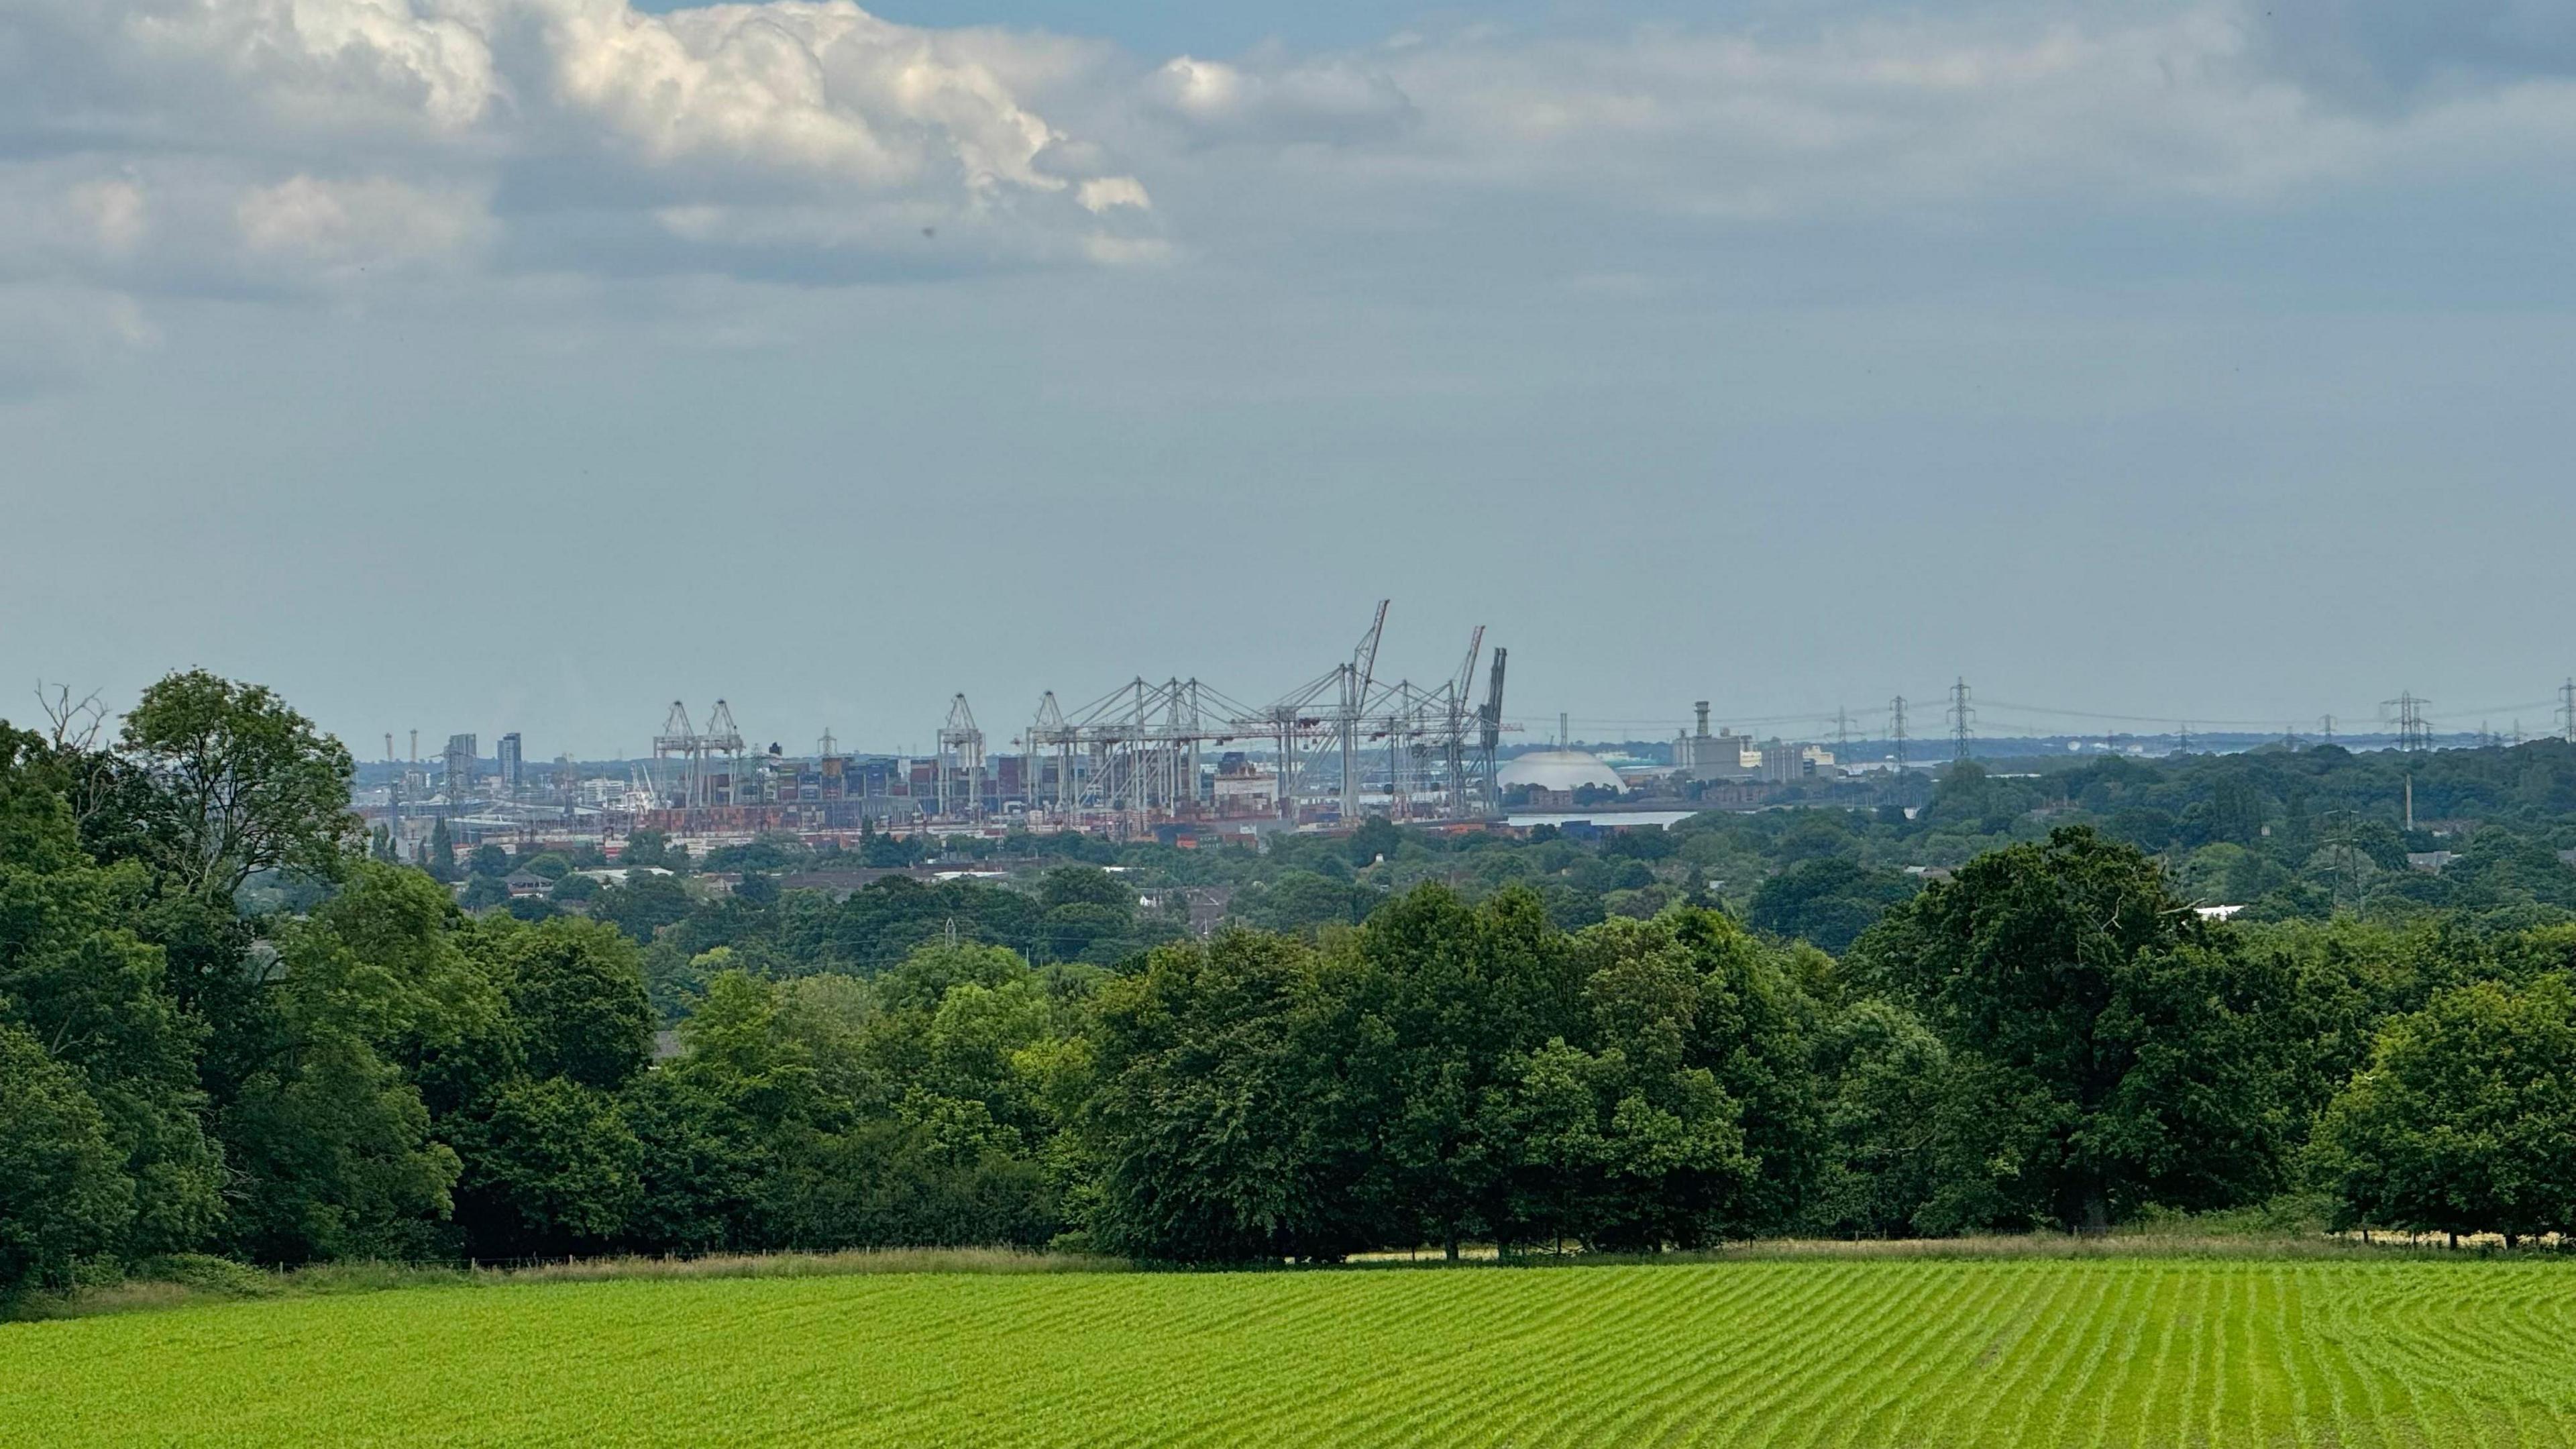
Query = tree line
x=2051 y=1038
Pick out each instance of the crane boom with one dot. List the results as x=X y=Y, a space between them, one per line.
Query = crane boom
x=1364 y=658
x=1491 y=715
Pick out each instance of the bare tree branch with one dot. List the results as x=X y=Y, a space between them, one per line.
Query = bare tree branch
x=72 y=727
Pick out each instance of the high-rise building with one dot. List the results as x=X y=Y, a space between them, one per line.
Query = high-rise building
x=512 y=770
x=461 y=753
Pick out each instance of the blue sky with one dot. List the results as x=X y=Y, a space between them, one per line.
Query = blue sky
x=524 y=364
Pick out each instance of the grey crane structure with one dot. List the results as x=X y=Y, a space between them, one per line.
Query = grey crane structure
x=959 y=788
x=1132 y=757
x=710 y=759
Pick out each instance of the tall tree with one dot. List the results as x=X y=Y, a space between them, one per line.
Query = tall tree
x=377 y=1013
x=95 y=997
x=223 y=781
x=1442 y=999
x=1214 y=1092
x=2465 y=1119
x=1687 y=996
x=2128 y=1051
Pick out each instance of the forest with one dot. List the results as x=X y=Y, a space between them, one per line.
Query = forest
x=228 y=1028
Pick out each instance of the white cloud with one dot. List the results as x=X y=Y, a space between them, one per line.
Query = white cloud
x=275 y=146
x=1101 y=193
x=312 y=140
x=307 y=63
x=1333 y=99
x=339 y=225
x=1120 y=251
x=1875 y=115
x=1947 y=118
x=112 y=211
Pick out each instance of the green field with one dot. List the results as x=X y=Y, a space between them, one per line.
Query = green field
x=2145 y=1351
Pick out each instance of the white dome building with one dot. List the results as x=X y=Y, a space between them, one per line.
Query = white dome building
x=1560 y=770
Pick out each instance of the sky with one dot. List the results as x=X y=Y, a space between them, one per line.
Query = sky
x=480 y=365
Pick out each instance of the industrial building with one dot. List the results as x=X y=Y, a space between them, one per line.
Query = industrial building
x=1170 y=759
x=1141 y=758
x=1725 y=755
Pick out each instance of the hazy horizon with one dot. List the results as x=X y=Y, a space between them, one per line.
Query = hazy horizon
x=528 y=364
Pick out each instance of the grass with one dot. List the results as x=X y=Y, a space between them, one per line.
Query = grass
x=192 y=1279
x=1810 y=1352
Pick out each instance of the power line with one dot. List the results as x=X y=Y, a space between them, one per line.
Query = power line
x=1961 y=716
x=2152 y=719
x=2037 y=719
x=2411 y=732
x=1896 y=729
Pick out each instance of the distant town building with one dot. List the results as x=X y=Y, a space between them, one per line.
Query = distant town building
x=513 y=768
x=461 y=755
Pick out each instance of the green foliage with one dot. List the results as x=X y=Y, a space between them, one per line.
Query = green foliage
x=1376 y=839
x=1828 y=901
x=925 y=977
x=1888 y=1113
x=550 y=1167
x=576 y=991
x=330 y=1131
x=226 y=1033
x=1692 y=990
x=1207 y=1063
x=2464 y=1120
x=222 y=781
x=1302 y=902
x=62 y=1193
x=2113 y=1050
x=769 y=853
x=701 y=1162
x=824 y=1112
x=1082 y=885
x=1448 y=1073
x=1089 y=915
x=643 y=905
x=77 y=978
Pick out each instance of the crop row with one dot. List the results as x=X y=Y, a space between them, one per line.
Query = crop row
x=1802 y=1355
